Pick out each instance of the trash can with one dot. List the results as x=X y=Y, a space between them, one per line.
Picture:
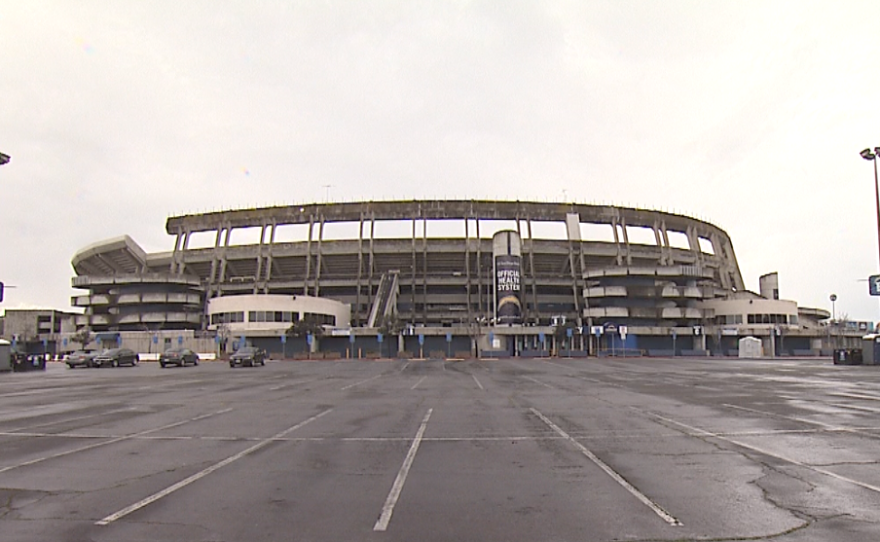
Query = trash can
x=850 y=356
x=28 y=362
x=855 y=356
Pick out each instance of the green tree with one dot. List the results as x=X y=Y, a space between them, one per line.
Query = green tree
x=83 y=337
x=308 y=325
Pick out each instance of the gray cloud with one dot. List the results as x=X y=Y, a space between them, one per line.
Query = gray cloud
x=748 y=114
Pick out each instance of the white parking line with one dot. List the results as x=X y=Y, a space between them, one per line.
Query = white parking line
x=610 y=472
x=536 y=381
x=397 y=487
x=361 y=382
x=478 y=382
x=112 y=441
x=78 y=418
x=201 y=474
x=419 y=382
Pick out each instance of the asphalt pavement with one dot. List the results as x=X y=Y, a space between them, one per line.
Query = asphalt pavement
x=431 y=450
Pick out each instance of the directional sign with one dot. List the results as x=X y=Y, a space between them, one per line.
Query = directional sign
x=597 y=330
x=283 y=339
x=421 y=339
x=449 y=337
x=380 y=338
x=180 y=339
x=874 y=284
x=569 y=332
x=351 y=339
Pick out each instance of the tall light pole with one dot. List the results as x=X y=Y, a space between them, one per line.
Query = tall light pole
x=867 y=154
x=833 y=298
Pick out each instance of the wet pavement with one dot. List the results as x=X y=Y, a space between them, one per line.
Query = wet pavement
x=506 y=450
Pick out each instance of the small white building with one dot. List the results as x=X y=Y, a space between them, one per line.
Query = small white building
x=270 y=314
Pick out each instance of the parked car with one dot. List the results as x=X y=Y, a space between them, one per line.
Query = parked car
x=179 y=357
x=248 y=356
x=116 y=357
x=80 y=358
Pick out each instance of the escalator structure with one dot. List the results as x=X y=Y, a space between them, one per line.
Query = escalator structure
x=385 y=302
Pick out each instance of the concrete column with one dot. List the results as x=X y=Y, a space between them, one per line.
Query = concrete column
x=269 y=255
x=320 y=257
x=424 y=269
x=536 y=314
x=223 y=259
x=175 y=255
x=357 y=312
x=658 y=239
x=614 y=224
x=412 y=317
x=669 y=258
x=259 y=274
x=629 y=260
x=308 y=256
x=467 y=267
x=479 y=266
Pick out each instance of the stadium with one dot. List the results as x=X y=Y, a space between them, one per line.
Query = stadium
x=501 y=275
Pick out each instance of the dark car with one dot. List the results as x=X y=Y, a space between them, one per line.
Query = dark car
x=80 y=358
x=116 y=357
x=248 y=356
x=179 y=357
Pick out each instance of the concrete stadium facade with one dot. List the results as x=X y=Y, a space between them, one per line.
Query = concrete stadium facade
x=443 y=280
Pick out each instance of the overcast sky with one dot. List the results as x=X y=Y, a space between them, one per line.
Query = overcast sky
x=750 y=115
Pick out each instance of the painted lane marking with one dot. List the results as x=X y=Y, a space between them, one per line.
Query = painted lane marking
x=112 y=440
x=805 y=421
x=78 y=418
x=290 y=384
x=397 y=487
x=201 y=474
x=536 y=381
x=665 y=516
x=419 y=382
x=361 y=382
x=478 y=382
x=768 y=453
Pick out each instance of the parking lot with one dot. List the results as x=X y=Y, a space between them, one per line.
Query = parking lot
x=517 y=450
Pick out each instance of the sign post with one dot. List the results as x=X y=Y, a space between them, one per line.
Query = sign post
x=874 y=285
